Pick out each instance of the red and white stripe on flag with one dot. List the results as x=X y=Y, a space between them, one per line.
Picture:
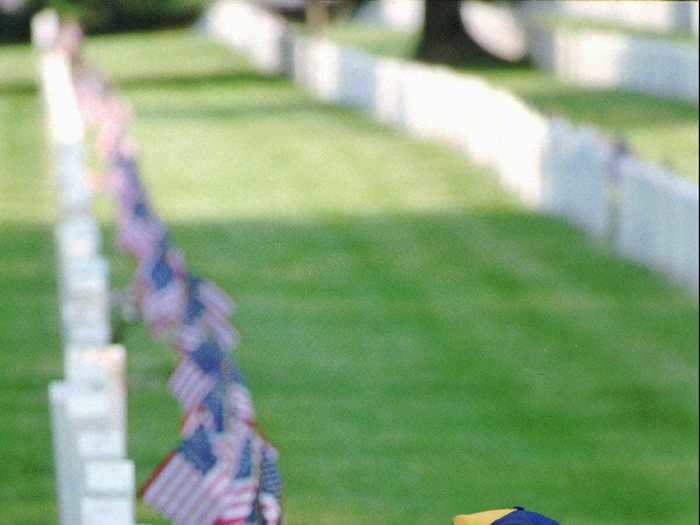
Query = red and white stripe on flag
x=215 y=299
x=190 y=385
x=183 y=494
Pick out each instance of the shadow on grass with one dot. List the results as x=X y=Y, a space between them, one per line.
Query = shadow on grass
x=17 y=88
x=139 y=81
x=186 y=81
x=230 y=112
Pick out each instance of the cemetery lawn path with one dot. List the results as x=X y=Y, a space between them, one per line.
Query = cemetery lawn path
x=417 y=344
x=658 y=130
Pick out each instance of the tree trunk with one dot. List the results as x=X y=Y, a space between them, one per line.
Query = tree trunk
x=444 y=39
x=345 y=10
x=317 y=14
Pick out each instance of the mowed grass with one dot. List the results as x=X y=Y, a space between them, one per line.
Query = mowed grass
x=658 y=130
x=418 y=345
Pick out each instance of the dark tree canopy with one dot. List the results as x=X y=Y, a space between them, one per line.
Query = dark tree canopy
x=444 y=39
x=100 y=16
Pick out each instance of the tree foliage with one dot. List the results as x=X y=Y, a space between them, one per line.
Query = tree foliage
x=99 y=16
x=444 y=38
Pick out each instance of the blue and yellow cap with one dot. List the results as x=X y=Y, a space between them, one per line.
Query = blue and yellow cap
x=512 y=516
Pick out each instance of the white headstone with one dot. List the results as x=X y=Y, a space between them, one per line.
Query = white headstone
x=109 y=478
x=387 y=96
x=637 y=209
x=78 y=237
x=74 y=409
x=267 y=43
x=86 y=278
x=90 y=335
x=59 y=432
x=45 y=28
x=107 y=511
x=322 y=69
x=103 y=371
x=356 y=74
x=101 y=444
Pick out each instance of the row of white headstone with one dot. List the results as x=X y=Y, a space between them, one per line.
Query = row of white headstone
x=94 y=480
x=661 y=67
x=652 y=65
x=661 y=16
x=649 y=215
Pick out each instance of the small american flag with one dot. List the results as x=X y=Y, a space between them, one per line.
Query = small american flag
x=123 y=180
x=270 y=493
x=241 y=403
x=139 y=230
x=161 y=289
x=211 y=479
x=206 y=314
x=213 y=297
x=210 y=415
x=90 y=89
x=190 y=385
x=242 y=449
x=228 y=401
x=114 y=117
x=189 y=486
x=197 y=375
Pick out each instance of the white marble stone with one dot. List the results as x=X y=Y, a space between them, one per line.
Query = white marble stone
x=524 y=139
x=267 y=43
x=633 y=235
x=87 y=335
x=356 y=74
x=59 y=431
x=686 y=265
x=472 y=125
x=45 y=28
x=74 y=409
x=555 y=173
x=107 y=511
x=64 y=118
x=298 y=63
x=616 y=60
x=101 y=444
x=66 y=131
x=103 y=370
x=655 y=15
x=420 y=100
x=109 y=478
x=387 y=96
x=86 y=278
x=322 y=70
x=590 y=206
x=76 y=238
x=78 y=313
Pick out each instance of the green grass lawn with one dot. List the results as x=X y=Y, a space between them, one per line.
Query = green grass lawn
x=418 y=344
x=658 y=130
